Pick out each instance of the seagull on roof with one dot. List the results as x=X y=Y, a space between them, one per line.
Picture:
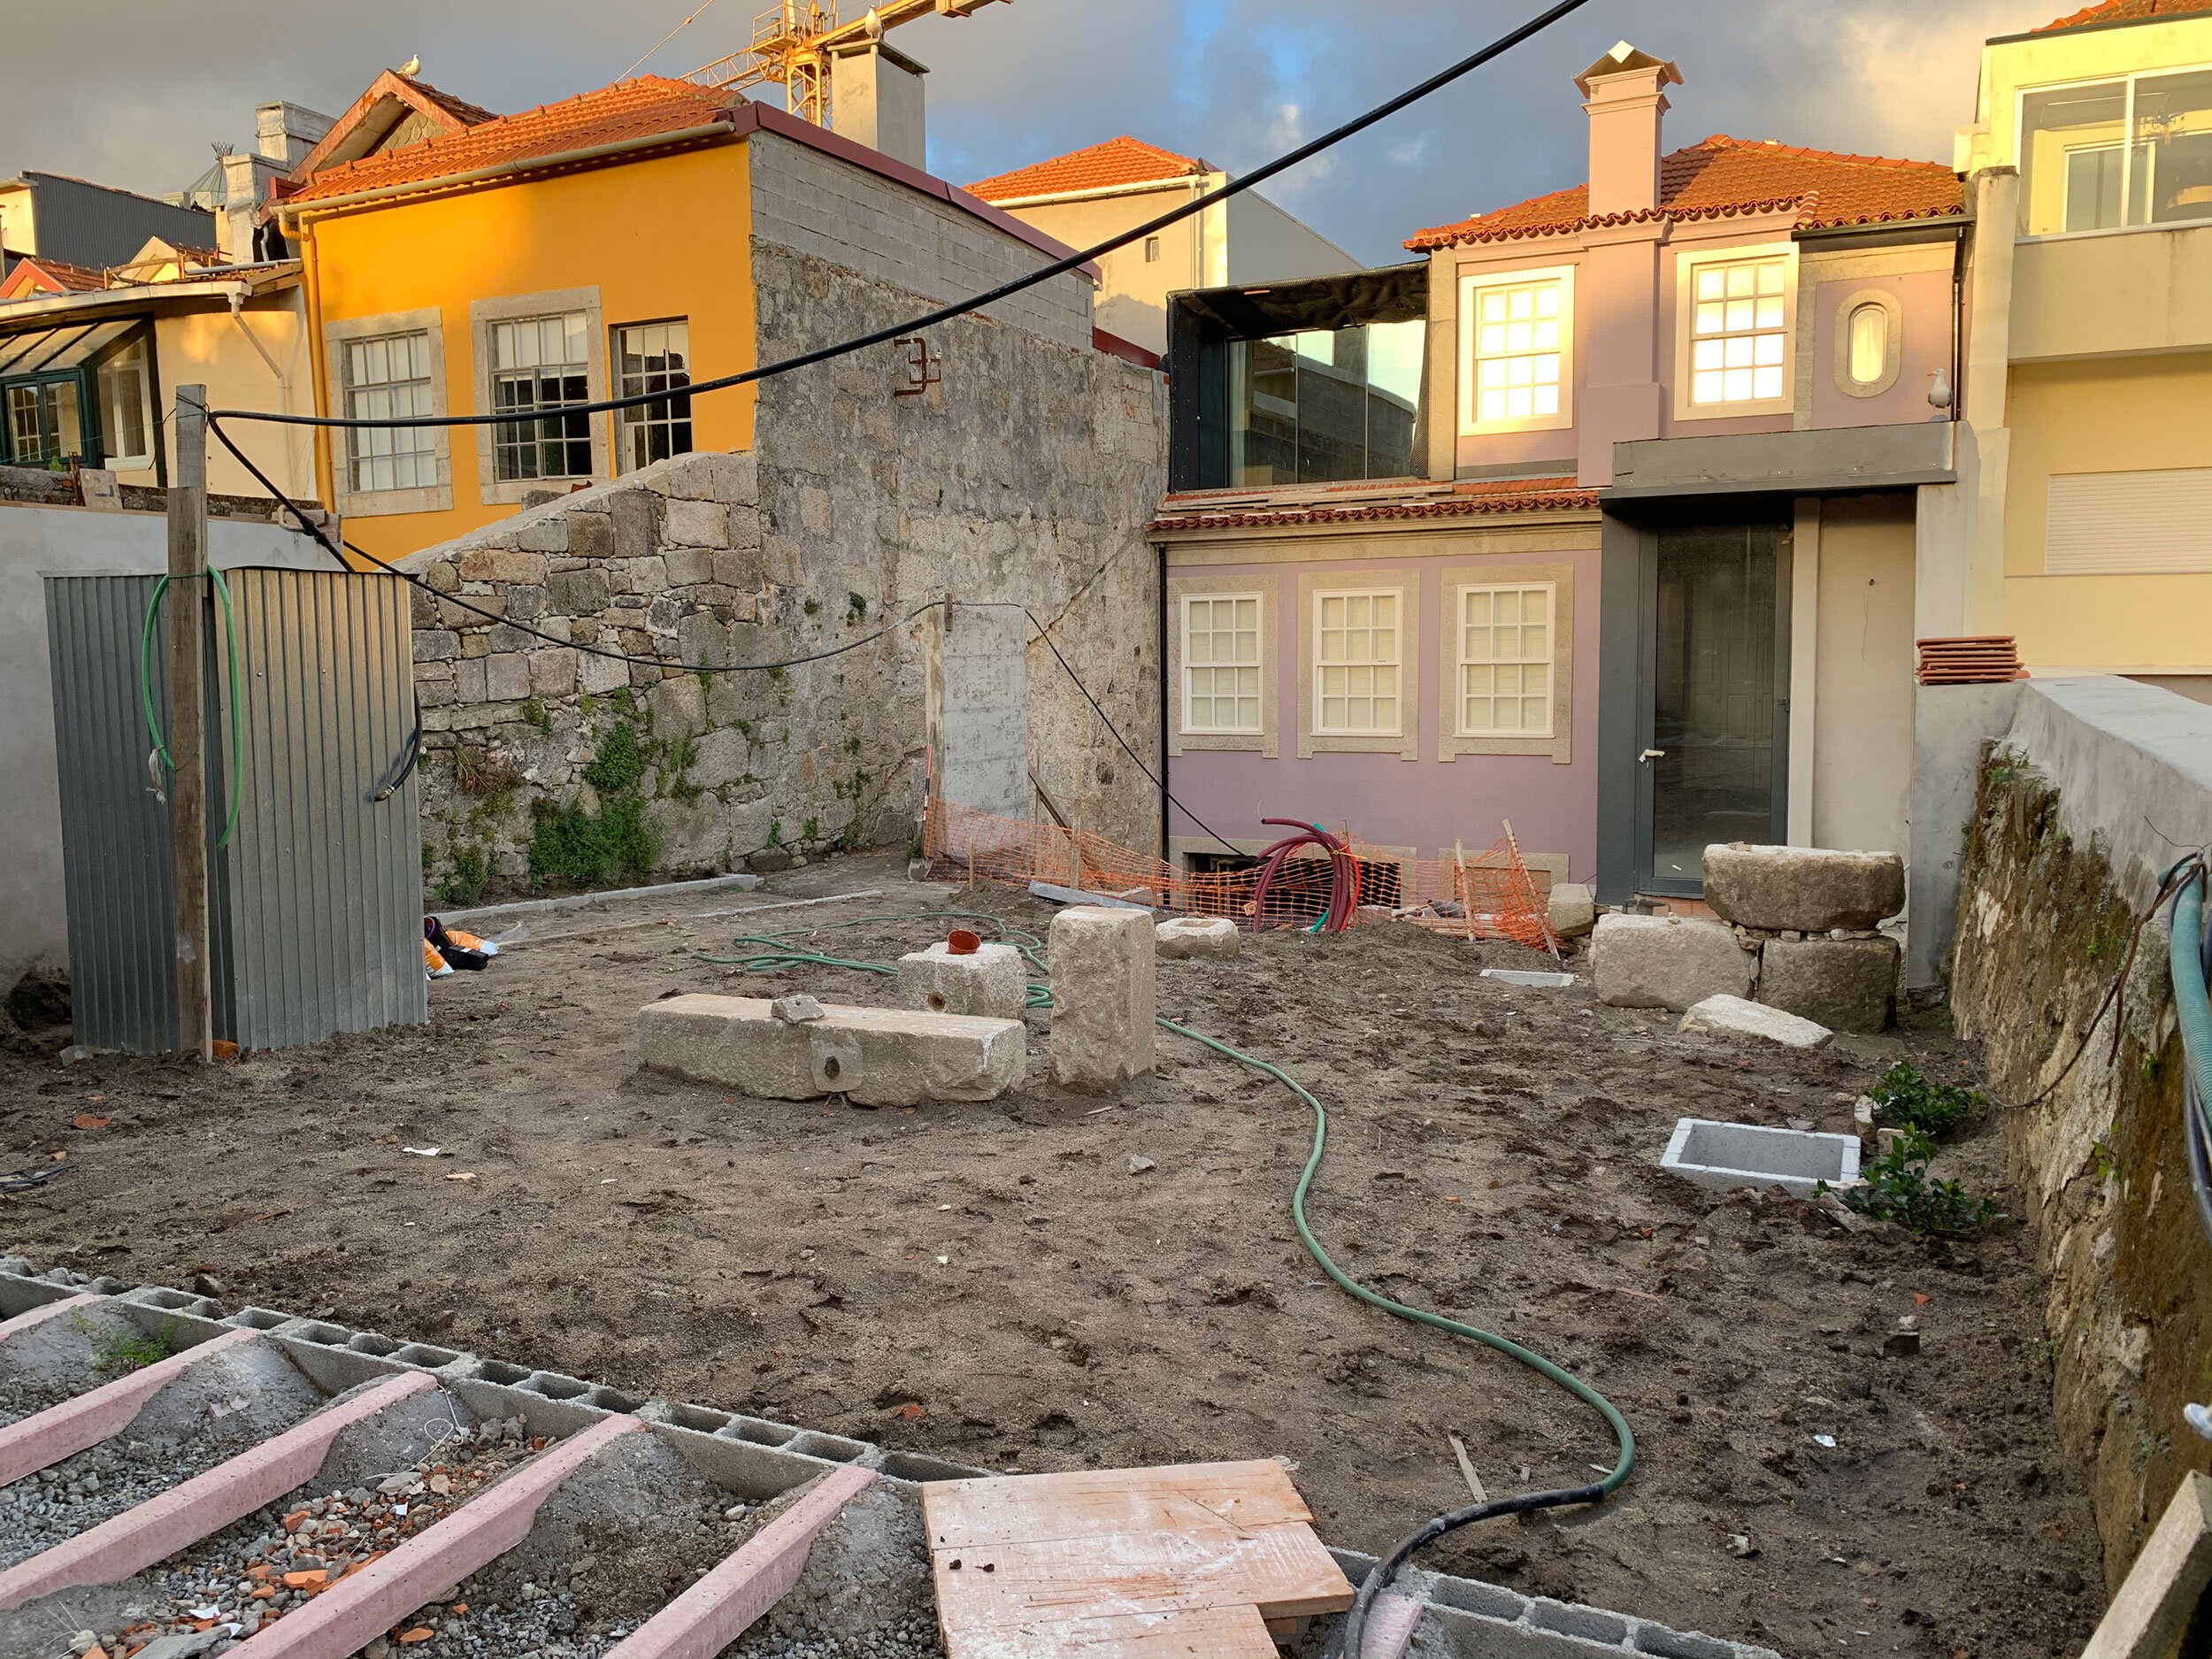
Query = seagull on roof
x=413 y=66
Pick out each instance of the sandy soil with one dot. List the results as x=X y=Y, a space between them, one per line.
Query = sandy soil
x=1001 y=1267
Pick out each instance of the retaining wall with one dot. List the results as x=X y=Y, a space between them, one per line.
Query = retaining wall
x=2098 y=787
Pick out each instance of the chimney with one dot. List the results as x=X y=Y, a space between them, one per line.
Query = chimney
x=876 y=100
x=284 y=133
x=1623 y=98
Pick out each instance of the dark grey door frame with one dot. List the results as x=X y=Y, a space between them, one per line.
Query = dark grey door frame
x=1628 y=668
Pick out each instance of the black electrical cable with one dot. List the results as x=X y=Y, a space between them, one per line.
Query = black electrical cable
x=947 y=314
x=408 y=764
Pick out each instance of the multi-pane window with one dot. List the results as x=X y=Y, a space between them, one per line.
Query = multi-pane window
x=1221 y=662
x=1505 y=661
x=126 y=408
x=1517 y=350
x=1737 y=330
x=1356 y=663
x=42 y=420
x=388 y=378
x=654 y=358
x=541 y=365
x=2104 y=154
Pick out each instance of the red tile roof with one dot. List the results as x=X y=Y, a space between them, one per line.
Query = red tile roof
x=1725 y=176
x=460 y=109
x=2125 y=12
x=35 y=274
x=1115 y=162
x=642 y=108
x=1236 y=508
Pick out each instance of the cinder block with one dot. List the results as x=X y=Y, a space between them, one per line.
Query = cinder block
x=1105 y=994
x=1667 y=962
x=878 y=1056
x=1724 y=1156
x=992 y=981
x=1808 y=889
x=1184 y=936
x=1734 y=1017
x=1844 y=984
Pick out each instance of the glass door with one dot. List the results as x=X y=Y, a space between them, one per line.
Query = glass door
x=1712 y=766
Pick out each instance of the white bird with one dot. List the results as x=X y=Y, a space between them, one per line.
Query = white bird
x=874 y=25
x=412 y=65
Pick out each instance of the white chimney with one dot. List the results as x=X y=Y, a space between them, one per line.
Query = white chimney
x=876 y=100
x=284 y=133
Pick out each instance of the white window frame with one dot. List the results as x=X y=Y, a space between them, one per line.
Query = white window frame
x=2127 y=143
x=1471 y=286
x=1187 y=603
x=1892 y=342
x=337 y=337
x=352 y=410
x=1461 y=661
x=1687 y=265
x=629 y=422
x=1395 y=663
x=491 y=488
x=142 y=460
x=1266 y=588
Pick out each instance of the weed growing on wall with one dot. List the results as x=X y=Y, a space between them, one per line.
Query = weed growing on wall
x=1906 y=1100
x=583 y=849
x=127 y=1350
x=463 y=884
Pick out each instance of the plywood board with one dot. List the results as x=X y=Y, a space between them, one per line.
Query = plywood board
x=1281 y=1570
x=1212 y=1633
x=1197 y=1498
x=2148 y=1616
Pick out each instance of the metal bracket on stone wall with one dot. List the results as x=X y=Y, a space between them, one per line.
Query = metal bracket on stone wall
x=924 y=367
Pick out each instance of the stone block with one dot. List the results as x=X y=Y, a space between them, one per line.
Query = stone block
x=436 y=645
x=468 y=681
x=498 y=564
x=1182 y=937
x=1573 y=909
x=992 y=981
x=602 y=674
x=690 y=477
x=692 y=836
x=547 y=534
x=737 y=479
x=1844 y=984
x=719 y=758
x=1734 y=1017
x=590 y=536
x=1810 y=889
x=636 y=514
x=579 y=593
x=875 y=1056
x=747 y=823
x=687 y=566
x=506 y=676
x=645 y=576
x=1666 y=962
x=680 y=707
x=1105 y=993
x=745 y=570
x=552 y=671
x=704 y=524
x=441 y=575
x=524 y=604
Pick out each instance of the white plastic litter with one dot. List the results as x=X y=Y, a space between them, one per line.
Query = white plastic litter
x=1528 y=975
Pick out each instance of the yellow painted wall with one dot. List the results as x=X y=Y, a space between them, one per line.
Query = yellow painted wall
x=665 y=237
x=1863 y=674
x=210 y=349
x=2048 y=60
x=2111 y=415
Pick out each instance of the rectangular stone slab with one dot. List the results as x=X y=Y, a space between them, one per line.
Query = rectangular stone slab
x=876 y=1057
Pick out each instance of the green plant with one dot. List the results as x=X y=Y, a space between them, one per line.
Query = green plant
x=1904 y=1099
x=584 y=706
x=852 y=746
x=855 y=608
x=568 y=844
x=620 y=763
x=475 y=772
x=681 y=754
x=463 y=884
x=534 y=712
x=2003 y=768
x=1896 y=1187
x=813 y=830
x=2101 y=1161
x=775 y=833
x=127 y=1351
x=811 y=606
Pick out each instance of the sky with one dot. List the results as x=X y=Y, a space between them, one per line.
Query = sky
x=1233 y=82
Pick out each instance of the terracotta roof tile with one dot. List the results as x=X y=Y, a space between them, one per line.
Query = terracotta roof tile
x=1236 y=508
x=460 y=109
x=35 y=274
x=2125 y=12
x=1117 y=161
x=1723 y=176
x=629 y=109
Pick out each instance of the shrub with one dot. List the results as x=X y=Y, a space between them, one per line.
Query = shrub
x=569 y=845
x=620 y=763
x=1896 y=1187
x=1905 y=1100
x=463 y=885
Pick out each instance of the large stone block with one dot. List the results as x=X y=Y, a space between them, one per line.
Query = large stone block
x=590 y=536
x=579 y=593
x=992 y=981
x=1666 y=962
x=1184 y=936
x=1573 y=910
x=1733 y=1017
x=1844 y=984
x=700 y=524
x=493 y=565
x=1105 y=993
x=1808 y=889
x=876 y=1056
x=720 y=756
x=507 y=677
x=636 y=514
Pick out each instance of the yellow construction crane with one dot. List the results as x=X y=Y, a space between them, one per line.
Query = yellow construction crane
x=791 y=42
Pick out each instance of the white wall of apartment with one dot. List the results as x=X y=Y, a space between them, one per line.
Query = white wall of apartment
x=1267 y=245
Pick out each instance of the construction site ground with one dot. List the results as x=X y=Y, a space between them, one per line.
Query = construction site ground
x=1053 y=1281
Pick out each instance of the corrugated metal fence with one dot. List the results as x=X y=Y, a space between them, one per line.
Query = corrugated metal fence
x=316 y=904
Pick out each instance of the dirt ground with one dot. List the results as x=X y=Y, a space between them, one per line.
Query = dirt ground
x=1493 y=1155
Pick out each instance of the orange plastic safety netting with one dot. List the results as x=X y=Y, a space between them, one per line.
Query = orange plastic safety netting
x=1489 y=895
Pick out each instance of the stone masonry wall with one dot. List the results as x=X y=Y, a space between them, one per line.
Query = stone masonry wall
x=2043 y=928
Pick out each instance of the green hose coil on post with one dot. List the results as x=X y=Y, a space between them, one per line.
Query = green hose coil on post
x=237 y=688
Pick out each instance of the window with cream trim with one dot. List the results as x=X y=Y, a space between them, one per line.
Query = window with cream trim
x=1357 y=659
x=1517 y=350
x=1221 y=663
x=1739 y=332
x=1505 y=660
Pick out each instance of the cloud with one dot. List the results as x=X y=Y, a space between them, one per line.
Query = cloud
x=1234 y=82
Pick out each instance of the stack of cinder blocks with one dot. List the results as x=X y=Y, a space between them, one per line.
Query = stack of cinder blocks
x=1797 y=931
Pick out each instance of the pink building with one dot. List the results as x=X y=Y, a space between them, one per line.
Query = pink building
x=1607 y=517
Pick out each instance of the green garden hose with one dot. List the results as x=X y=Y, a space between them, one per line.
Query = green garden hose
x=769 y=954
x=146 y=693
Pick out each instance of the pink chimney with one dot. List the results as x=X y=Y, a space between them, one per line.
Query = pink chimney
x=1624 y=97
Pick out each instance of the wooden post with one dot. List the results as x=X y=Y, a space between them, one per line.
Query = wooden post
x=2162 y=1589
x=188 y=788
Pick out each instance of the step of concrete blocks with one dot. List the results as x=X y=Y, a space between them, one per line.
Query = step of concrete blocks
x=875 y=1056
x=1105 y=994
x=989 y=982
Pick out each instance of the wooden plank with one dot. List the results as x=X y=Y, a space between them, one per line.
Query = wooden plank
x=1208 y=1633
x=2147 y=1618
x=1197 y=1498
x=1283 y=1570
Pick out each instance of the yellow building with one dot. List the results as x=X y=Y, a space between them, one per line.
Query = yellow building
x=597 y=248
x=2089 y=370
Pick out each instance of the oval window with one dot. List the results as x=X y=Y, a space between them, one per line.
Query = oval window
x=1870 y=344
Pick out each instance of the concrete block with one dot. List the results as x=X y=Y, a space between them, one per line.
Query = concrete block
x=1733 y=1017
x=1844 y=984
x=1182 y=937
x=992 y=981
x=1666 y=962
x=1724 y=1156
x=876 y=1057
x=1105 y=994
x=1809 y=889
x=1573 y=909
